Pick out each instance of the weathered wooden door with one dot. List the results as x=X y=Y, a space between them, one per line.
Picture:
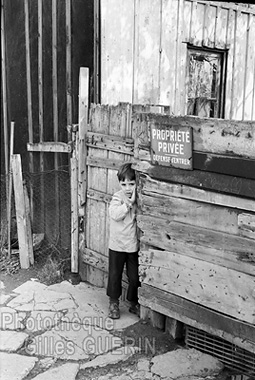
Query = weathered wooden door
x=109 y=142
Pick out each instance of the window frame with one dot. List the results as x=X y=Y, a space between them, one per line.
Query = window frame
x=222 y=54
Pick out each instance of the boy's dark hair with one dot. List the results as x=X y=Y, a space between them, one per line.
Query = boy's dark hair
x=126 y=172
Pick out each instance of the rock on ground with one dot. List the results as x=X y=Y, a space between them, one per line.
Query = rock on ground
x=23 y=365
x=66 y=371
x=185 y=362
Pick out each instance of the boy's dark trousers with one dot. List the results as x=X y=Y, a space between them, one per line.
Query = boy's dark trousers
x=117 y=261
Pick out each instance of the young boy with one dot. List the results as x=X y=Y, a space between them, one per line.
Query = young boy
x=123 y=242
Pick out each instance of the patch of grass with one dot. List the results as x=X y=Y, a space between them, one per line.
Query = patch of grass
x=50 y=272
x=52 y=266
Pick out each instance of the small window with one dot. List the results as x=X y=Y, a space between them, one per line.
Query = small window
x=205 y=83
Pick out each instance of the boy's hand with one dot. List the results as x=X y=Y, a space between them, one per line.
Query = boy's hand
x=133 y=196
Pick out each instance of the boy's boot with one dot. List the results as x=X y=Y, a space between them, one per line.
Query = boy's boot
x=114 y=311
x=134 y=308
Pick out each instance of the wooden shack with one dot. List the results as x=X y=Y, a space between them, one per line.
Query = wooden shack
x=148 y=48
x=196 y=224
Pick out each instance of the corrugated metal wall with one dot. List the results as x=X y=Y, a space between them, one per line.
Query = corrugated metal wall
x=144 y=51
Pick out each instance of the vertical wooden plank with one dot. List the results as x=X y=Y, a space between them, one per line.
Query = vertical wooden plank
x=96 y=96
x=29 y=96
x=135 y=49
x=74 y=215
x=209 y=26
x=180 y=62
x=148 y=42
x=204 y=23
x=174 y=328
x=239 y=73
x=55 y=76
x=230 y=39
x=29 y=227
x=221 y=28
x=160 y=50
x=9 y=197
x=253 y=95
x=187 y=17
x=249 y=81
x=97 y=179
x=20 y=211
x=180 y=66
x=4 y=87
x=168 y=45
x=40 y=77
x=40 y=98
x=55 y=106
x=83 y=125
x=117 y=51
x=197 y=25
x=68 y=63
x=28 y=72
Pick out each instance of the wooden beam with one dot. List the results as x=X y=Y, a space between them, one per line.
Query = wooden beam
x=83 y=127
x=40 y=77
x=204 y=180
x=228 y=251
x=99 y=196
x=24 y=247
x=54 y=147
x=41 y=109
x=104 y=162
x=216 y=136
x=233 y=330
x=10 y=190
x=214 y=286
x=151 y=186
x=95 y=259
x=96 y=66
x=215 y=163
x=246 y=225
x=111 y=143
x=55 y=105
x=29 y=95
x=54 y=75
x=174 y=328
x=69 y=109
x=74 y=215
x=29 y=226
x=193 y=213
x=4 y=87
x=234 y=166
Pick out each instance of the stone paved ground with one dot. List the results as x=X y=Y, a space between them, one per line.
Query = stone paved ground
x=62 y=331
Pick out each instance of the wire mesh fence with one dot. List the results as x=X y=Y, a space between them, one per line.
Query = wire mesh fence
x=50 y=214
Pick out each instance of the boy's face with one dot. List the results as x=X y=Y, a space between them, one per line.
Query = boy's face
x=127 y=187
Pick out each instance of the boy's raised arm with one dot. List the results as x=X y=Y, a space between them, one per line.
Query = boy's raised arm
x=118 y=209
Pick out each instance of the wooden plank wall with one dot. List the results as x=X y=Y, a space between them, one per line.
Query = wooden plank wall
x=47 y=121
x=197 y=257
x=144 y=51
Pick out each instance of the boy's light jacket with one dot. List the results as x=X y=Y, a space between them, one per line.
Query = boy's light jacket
x=123 y=229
